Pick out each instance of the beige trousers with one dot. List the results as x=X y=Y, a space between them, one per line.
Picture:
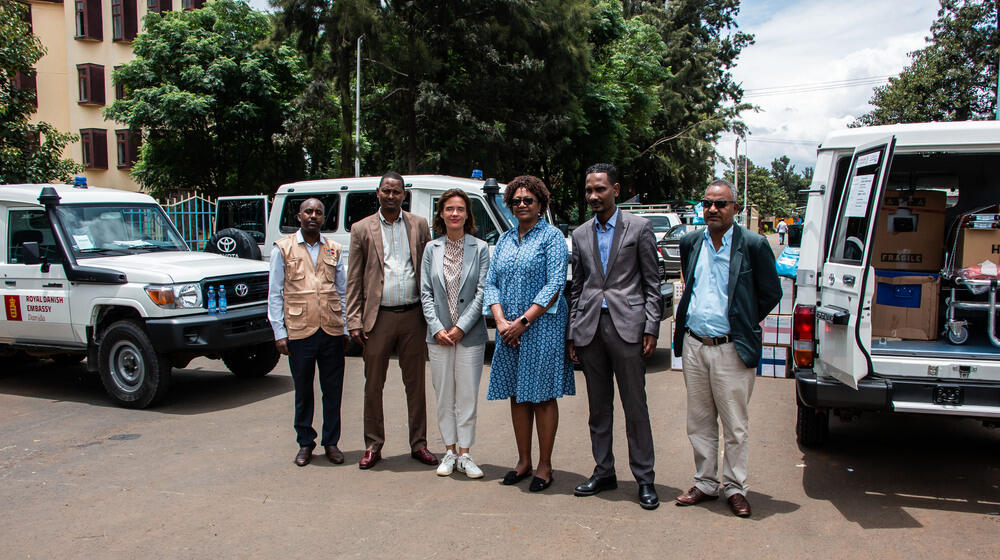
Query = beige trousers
x=718 y=388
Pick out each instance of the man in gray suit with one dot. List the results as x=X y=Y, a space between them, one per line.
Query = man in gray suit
x=614 y=320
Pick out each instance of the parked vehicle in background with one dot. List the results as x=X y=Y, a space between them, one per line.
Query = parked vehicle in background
x=102 y=274
x=669 y=248
x=891 y=242
x=661 y=216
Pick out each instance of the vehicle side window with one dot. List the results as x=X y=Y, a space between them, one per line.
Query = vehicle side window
x=248 y=215
x=30 y=225
x=855 y=213
x=360 y=205
x=289 y=221
x=485 y=228
x=839 y=180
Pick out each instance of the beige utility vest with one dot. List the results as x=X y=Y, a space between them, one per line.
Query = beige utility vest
x=311 y=298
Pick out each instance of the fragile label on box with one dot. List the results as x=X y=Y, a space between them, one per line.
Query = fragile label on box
x=909 y=230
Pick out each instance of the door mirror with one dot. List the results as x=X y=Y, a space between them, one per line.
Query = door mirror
x=30 y=254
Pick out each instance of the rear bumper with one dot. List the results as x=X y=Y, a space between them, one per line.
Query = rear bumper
x=208 y=334
x=978 y=400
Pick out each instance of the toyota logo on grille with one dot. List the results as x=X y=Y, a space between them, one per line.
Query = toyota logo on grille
x=226 y=244
x=241 y=289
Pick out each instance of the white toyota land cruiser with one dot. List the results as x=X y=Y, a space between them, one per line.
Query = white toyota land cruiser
x=897 y=277
x=103 y=274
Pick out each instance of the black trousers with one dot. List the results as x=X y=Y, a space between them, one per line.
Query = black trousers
x=304 y=355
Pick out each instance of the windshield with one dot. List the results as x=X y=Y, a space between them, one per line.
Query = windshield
x=660 y=223
x=682 y=230
x=99 y=230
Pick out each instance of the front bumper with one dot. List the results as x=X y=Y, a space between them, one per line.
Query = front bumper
x=978 y=399
x=208 y=334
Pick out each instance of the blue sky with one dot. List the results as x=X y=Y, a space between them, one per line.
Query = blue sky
x=815 y=44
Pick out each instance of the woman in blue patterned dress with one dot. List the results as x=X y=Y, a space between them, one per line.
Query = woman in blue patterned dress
x=524 y=292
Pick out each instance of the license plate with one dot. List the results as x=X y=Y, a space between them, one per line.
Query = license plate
x=947 y=394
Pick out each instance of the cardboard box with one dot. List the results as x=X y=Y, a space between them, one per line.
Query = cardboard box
x=781 y=362
x=906 y=305
x=678 y=294
x=765 y=368
x=770 y=326
x=978 y=245
x=909 y=231
x=784 y=330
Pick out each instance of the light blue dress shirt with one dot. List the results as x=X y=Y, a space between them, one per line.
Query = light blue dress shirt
x=708 y=311
x=400 y=280
x=605 y=235
x=276 y=286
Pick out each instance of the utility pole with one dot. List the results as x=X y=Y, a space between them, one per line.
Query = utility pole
x=736 y=165
x=357 y=116
x=746 y=178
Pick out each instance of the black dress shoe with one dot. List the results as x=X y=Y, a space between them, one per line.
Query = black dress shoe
x=539 y=484
x=596 y=484
x=647 y=497
x=512 y=477
x=304 y=455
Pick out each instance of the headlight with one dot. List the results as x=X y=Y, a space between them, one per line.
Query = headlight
x=175 y=296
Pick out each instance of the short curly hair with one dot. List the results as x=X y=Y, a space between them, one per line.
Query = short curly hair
x=530 y=183
x=470 y=219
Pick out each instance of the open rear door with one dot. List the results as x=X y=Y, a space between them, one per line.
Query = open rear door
x=248 y=213
x=843 y=319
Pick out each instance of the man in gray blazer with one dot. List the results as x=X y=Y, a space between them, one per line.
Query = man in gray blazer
x=614 y=320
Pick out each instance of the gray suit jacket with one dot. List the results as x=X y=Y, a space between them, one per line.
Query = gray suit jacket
x=631 y=286
x=434 y=295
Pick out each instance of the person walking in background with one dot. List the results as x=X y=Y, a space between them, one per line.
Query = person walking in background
x=305 y=303
x=523 y=291
x=614 y=320
x=730 y=285
x=453 y=274
x=384 y=313
x=782 y=230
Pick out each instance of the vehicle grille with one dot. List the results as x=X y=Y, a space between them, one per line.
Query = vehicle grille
x=256 y=288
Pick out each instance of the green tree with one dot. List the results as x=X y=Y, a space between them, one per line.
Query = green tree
x=774 y=190
x=29 y=153
x=211 y=98
x=953 y=78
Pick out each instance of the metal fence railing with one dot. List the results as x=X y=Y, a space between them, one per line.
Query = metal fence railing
x=194 y=217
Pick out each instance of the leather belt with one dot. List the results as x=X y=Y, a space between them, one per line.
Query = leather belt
x=399 y=308
x=710 y=340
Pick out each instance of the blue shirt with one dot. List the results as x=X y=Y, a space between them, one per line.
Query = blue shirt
x=605 y=235
x=708 y=311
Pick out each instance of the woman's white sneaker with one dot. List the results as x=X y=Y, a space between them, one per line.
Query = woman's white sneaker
x=468 y=466
x=447 y=464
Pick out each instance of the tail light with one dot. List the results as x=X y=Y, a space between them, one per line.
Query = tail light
x=804 y=335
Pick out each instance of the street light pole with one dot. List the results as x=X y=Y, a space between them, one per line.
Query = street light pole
x=357 y=116
x=746 y=178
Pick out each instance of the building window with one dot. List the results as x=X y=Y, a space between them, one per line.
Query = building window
x=192 y=4
x=26 y=81
x=88 y=20
x=158 y=6
x=95 y=147
x=128 y=148
x=90 y=77
x=119 y=87
x=123 y=20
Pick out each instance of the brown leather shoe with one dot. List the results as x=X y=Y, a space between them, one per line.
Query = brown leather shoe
x=369 y=459
x=694 y=496
x=424 y=456
x=336 y=456
x=304 y=455
x=739 y=504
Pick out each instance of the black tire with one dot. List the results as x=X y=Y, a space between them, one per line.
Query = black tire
x=133 y=374
x=253 y=361
x=232 y=242
x=812 y=426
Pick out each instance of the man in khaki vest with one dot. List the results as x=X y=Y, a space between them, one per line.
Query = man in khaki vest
x=305 y=304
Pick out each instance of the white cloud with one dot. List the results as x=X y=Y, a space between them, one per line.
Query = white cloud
x=813 y=42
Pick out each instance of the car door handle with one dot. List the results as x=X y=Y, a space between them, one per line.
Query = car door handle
x=833 y=314
x=9 y=283
x=848 y=279
x=52 y=285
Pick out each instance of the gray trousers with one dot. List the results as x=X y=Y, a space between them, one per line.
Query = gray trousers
x=605 y=359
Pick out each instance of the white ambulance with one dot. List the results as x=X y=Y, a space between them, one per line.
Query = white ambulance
x=898 y=276
x=103 y=274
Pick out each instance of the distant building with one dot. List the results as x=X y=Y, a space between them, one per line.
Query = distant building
x=85 y=40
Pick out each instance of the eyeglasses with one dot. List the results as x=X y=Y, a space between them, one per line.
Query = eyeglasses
x=720 y=204
x=527 y=201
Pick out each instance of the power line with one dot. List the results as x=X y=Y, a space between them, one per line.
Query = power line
x=772 y=140
x=816 y=86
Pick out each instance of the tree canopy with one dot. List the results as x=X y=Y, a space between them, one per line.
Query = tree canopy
x=774 y=190
x=29 y=153
x=211 y=98
x=953 y=78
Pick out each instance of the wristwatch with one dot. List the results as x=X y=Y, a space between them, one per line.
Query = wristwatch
x=524 y=321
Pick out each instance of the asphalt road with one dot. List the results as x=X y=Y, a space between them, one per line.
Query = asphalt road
x=210 y=474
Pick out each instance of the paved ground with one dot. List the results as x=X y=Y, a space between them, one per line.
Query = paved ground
x=210 y=474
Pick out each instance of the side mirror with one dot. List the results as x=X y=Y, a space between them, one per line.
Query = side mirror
x=30 y=254
x=564 y=228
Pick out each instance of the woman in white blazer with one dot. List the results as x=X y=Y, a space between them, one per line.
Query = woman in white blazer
x=452 y=278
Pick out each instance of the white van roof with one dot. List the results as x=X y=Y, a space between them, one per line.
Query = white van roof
x=416 y=182
x=68 y=194
x=960 y=133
